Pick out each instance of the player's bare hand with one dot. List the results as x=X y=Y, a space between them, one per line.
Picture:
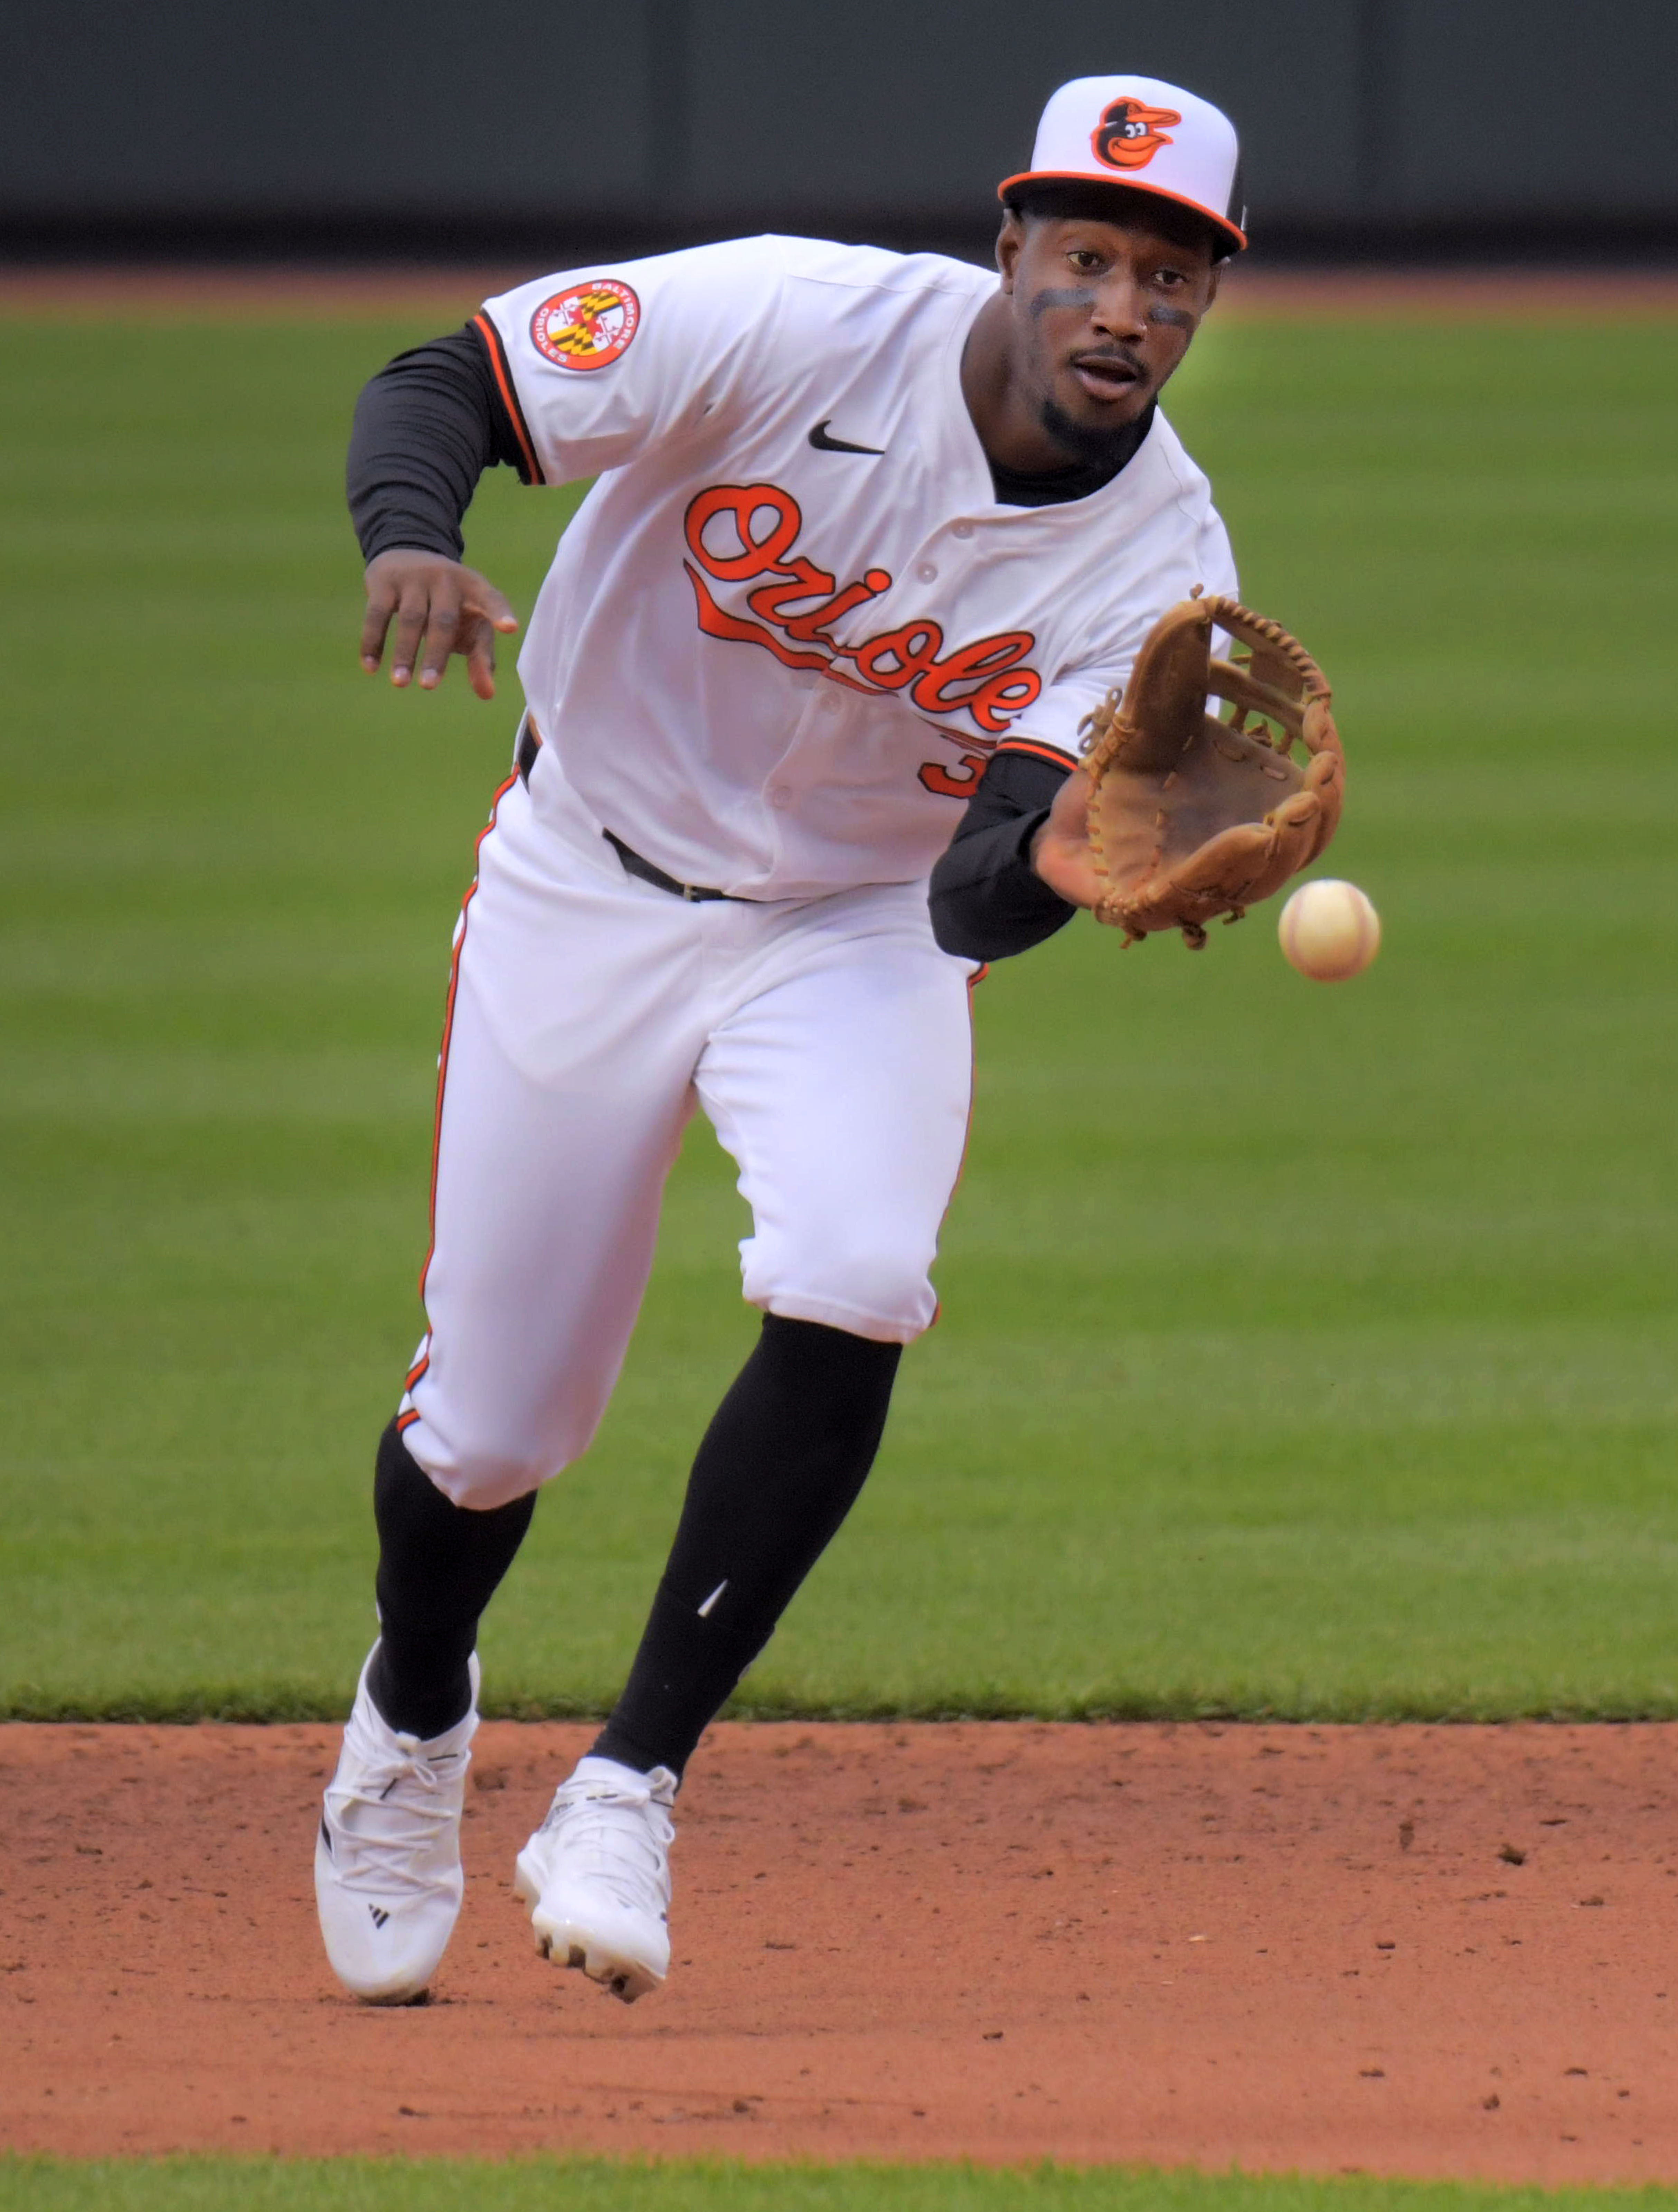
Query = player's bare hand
x=440 y=608
x=1060 y=850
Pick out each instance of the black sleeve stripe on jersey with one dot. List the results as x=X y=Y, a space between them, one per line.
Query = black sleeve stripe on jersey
x=1030 y=746
x=504 y=383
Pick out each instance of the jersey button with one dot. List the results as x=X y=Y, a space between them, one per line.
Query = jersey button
x=961 y=529
x=780 y=800
x=926 y=572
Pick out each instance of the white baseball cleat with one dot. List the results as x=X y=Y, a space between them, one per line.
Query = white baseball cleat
x=596 y=1876
x=388 y=1882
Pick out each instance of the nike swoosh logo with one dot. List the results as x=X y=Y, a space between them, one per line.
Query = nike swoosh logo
x=824 y=444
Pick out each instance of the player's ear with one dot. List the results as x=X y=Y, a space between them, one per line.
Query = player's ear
x=1010 y=240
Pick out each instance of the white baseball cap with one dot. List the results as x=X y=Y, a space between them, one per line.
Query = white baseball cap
x=1146 y=135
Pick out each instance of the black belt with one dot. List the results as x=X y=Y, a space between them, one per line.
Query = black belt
x=529 y=744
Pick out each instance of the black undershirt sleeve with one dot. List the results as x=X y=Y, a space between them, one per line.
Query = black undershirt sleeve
x=426 y=427
x=986 y=898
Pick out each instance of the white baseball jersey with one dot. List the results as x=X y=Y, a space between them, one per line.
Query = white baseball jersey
x=790 y=622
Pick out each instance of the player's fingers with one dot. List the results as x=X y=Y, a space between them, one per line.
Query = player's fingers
x=381 y=605
x=484 y=600
x=442 y=632
x=411 y=620
x=478 y=642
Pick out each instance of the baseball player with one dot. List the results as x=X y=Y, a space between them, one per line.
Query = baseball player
x=870 y=536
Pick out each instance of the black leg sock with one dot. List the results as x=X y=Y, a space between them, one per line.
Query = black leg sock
x=438 y=1566
x=780 y=1467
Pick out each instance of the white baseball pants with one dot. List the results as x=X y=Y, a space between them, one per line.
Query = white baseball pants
x=829 y=1039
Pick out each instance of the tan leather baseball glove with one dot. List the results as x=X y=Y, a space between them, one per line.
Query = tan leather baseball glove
x=1191 y=816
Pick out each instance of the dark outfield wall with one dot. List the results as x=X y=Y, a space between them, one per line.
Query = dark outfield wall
x=311 y=123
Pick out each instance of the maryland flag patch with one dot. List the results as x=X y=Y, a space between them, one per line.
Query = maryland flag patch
x=588 y=327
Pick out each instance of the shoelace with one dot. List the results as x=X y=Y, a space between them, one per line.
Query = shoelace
x=626 y=1836
x=412 y=1828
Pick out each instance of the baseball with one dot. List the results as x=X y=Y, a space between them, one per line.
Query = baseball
x=1329 y=931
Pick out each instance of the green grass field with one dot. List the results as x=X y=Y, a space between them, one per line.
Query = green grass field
x=1306 y=1351
x=600 y=2185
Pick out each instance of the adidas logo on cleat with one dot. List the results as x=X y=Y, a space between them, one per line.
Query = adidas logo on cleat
x=379 y=1914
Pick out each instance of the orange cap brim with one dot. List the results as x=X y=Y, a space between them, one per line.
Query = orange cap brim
x=1124 y=184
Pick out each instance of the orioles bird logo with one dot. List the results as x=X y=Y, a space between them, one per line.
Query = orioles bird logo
x=1130 y=133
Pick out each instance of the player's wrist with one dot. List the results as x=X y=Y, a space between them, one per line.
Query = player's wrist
x=428 y=555
x=1067 y=872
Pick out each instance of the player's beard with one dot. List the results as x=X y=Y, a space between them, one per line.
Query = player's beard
x=1096 y=448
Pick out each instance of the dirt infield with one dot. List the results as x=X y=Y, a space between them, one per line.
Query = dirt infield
x=257 y=292
x=1408 y=1950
